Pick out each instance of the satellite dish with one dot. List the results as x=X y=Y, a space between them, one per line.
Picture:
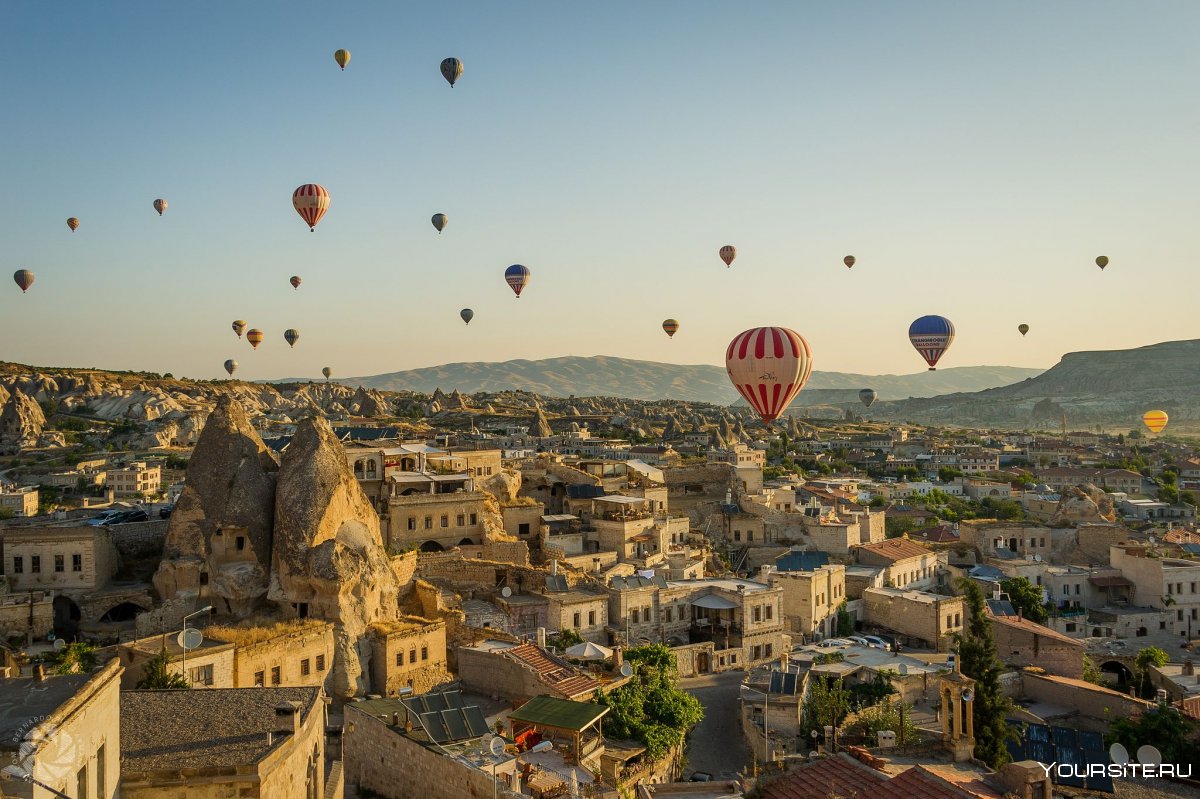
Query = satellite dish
x=496 y=746
x=59 y=644
x=506 y=592
x=903 y=669
x=1037 y=558
x=626 y=670
x=190 y=638
x=1118 y=754
x=1149 y=755
x=968 y=695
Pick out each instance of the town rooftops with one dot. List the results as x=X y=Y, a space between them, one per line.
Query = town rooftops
x=912 y=596
x=213 y=728
x=1028 y=626
x=561 y=714
x=801 y=561
x=845 y=777
x=726 y=583
x=896 y=549
x=25 y=702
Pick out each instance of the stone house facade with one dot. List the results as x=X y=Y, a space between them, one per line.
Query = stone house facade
x=408 y=653
x=810 y=599
x=923 y=619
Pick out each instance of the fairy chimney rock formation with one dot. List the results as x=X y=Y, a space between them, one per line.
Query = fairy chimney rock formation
x=218 y=542
x=329 y=560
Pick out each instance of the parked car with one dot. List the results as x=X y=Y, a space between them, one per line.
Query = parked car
x=858 y=639
x=833 y=643
x=102 y=518
x=165 y=512
x=876 y=642
x=700 y=776
x=128 y=517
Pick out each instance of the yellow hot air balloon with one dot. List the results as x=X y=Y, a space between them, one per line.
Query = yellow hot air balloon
x=255 y=337
x=342 y=57
x=1155 y=421
x=239 y=327
x=670 y=326
x=73 y=223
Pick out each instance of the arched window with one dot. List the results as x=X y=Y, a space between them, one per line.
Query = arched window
x=358 y=468
x=371 y=472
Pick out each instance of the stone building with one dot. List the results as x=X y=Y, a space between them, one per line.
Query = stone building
x=810 y=599
x=20 y=501
x=520 y=671
x=922 y=619
x=584 y=611
x=409 y=652
x=435 y=521
x=1021 y=642
x=1167 y=584
x=63 y=731
x=60 y=558
x=267 y=743
x=1025 y=540
x=906 y=564
x=209 y=665
x=136 y=479
x=291 y=654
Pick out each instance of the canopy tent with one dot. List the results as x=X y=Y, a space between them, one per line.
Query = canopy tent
x=588 y=651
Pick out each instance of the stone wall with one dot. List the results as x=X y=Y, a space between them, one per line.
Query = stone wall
x=168 y=616
x=1094 y=540
x=405 y=567
x=514 y=552
x=381 y=759
x=288 y=652
x=694 y=659
x=1089 y=700
x=921 y=621
x=408 y=653
x=141 y=540
x=1017 y=645
x=15 y=616
x=492 y=674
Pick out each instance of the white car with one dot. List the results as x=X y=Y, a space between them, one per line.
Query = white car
x=858 y=639
x=877 y=643
x=833 y=643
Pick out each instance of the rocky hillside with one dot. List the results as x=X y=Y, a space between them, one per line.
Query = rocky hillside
x=1110 y=389
x=647 y=380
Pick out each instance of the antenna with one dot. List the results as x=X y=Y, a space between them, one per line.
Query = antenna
x=496 y=747
x=626 y=670
x=59 y=644
x=1037 y=558
x=190 y=638
x=1149 y=756
x=506 y=592
x=1118 y=754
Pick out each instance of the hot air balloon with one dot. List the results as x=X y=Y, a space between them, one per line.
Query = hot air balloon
x=327 y=372
x=231 y=366
x=73 y=223
x=1156 y=421
x=728 y=253
x=291 y=336
x=295 y=281
x=768 y=366
x=311 y=202
x=342 y=57
x=867 y=396
x=439 y=221
x=255 y=337
x=451 y=70
x=670 y=326
x=24 y=278
x=467 y=315
x=931 y=336
x=1023 y=328
x=160 y=205
x=1102 y=261
x=517 y=277
x=849 y=261
x=239 y=327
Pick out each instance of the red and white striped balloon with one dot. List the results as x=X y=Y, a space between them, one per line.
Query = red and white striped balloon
x=768 y=366
x=311 y=202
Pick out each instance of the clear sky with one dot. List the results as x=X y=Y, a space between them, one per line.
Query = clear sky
x=974 y=157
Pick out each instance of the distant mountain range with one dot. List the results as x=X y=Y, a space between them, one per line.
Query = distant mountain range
x=1106 y=388
x=646 y=380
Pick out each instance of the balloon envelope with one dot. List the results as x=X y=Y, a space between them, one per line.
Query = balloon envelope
x=342 y=57
x=311 y=201
x=670 y=326
x=728 y=253
x=255 y=337
x=327 y=372
x=23 y=278
x=160 y=205
x=768 y=366
x=467 y=315
x=439 y=221
x=231 y=366
x=931 y=336
x=73 y=223
x=517 y=277
x=239 y=327
x=849 y=261
x=1102 y=261
x=1156 y=421
x=295 y=281
x=291 y=336
x=867 y=396
x=452 y=70
x=1023 y=328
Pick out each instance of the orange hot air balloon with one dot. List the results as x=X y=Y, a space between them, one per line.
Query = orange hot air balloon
x=295 y=281
x=23 y=278
x=311 y=202
x=849 y=261
x=239 y=327
x=255 y=337
x=160 y=205
x=670 y=326
x=1155 y=421
x=728 y=253
x=73 y=223
x=768 y=366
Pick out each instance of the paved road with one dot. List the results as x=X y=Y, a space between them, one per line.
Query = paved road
x=717 y=744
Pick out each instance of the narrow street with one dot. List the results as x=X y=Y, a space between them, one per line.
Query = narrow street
x=716 y=745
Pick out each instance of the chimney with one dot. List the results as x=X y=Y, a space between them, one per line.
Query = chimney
x=287 y=718
x=1020 y=613
x=554 y=568
x=395 y=719
x=39 y=671
x=618 y=658
x=1189 y=669
x=541 y=637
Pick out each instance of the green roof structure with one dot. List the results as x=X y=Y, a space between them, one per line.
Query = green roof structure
x=561 y=714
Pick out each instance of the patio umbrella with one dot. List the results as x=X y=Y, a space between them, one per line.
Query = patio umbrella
x=589 y=651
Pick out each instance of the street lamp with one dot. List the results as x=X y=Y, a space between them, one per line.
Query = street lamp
x=205 y=609
x=766 y=739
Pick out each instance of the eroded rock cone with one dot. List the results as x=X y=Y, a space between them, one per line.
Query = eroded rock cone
x=218 y=542
x=329 y=560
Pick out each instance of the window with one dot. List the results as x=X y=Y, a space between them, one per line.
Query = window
x=1066 y=590
x=749 y=535
x=424 y=653
x=428 y=522
x=203 y=578
x=60 y=563
x=461 y=519
x=757 y=616
x=1070 y=626
x=766 y=650
x=260 y=679
x=522 y=529
x=240 y=543
x=592 y=618
x=770 y=612
x=201 y=675
x=77 y=563
x=412 y=655
x=412 y=522
x=101 y=771
x=474 y=519
x=81 y=782
x=635 y=616
x=756 y=653
x=18 y=564
x=667 y=615
x=445 y=520
x=304 y=668
x=35 y=564
x=957 y=619
x=1076 y=589
x=399 y=658
x=276 y=675
x=576 y=620
x=737 y=535
x=949 y=620
x=1179 y=615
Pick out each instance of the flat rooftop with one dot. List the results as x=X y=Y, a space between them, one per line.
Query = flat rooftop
x=25 y=701
x=726 y=583
x=923 y=597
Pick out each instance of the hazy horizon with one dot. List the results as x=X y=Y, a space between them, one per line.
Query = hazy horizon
x=975 y=160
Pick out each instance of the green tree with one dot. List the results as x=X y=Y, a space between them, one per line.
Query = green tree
x=1150 y=656
x=826 y=704
x=1025 y=597
x=845 y=622
x=1165 y=728
x=1091 y=672
x=978 y=660
x=908 y=473
x=158 y=675
x=948 y=473
x=889 y=715
x=76 y=658
x=650 y=707
x=565 y=639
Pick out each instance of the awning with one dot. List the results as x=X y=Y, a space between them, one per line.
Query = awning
x=1112 y=581
x=588 y=651
x=620 y=500
x=652 y=472
x=714 y=602
x=560 y=517
x=562 y=714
